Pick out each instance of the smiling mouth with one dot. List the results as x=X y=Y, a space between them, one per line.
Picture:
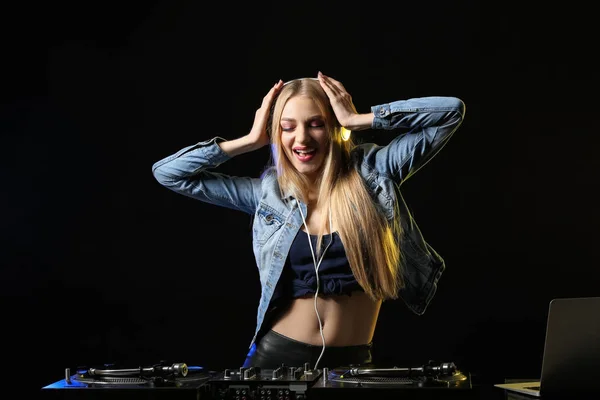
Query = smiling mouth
x=304 y=155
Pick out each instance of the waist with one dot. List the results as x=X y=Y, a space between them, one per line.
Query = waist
x=346 y=320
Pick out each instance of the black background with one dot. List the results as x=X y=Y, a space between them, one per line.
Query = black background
x=100 y=264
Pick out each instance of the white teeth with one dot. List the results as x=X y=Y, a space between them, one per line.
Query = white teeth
x=304 y=152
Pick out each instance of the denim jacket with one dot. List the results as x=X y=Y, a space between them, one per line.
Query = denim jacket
x=424 y=125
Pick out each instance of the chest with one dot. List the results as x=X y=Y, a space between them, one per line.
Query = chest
x=318 y=218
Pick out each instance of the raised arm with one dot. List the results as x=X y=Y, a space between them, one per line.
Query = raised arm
x=258 y=136
x=188 y=171
x=425 y=124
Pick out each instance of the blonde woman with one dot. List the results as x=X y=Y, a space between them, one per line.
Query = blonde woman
x=332 y=235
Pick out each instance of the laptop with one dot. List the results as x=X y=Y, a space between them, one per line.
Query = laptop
x=571 y=359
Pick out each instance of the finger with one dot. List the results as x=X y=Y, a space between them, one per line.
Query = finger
x=339 y=88
x=329 y=88
x=334 y=84
x=269 y=96
x=275 y=87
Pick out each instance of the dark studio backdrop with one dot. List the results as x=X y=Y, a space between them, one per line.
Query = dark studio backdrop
x=101 y=264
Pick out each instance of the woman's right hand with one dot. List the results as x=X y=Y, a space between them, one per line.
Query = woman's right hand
x=258 y=134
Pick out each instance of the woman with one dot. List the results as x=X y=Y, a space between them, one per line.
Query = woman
x=332 y=235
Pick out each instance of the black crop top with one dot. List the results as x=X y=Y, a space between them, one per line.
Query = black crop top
x=298 y=277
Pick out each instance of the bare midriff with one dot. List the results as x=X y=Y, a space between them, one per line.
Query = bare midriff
x=347 y=320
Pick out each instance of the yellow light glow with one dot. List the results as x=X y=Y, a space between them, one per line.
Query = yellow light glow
x=345 y=134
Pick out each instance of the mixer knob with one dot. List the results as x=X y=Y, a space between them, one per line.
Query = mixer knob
x=298 y=372
x=250 y=373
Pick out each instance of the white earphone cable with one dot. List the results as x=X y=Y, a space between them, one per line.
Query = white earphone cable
x=317 y=265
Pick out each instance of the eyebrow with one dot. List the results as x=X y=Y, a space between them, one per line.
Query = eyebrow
x=309 y=119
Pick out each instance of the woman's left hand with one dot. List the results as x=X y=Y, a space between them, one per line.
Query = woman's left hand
x=341 y=101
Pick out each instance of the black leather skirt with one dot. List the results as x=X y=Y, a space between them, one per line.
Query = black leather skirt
x=274 y=350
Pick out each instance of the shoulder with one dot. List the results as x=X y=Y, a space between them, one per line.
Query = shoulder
x=269 y=182
x=268 y=175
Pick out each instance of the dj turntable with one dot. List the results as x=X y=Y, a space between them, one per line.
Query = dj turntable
x=430 y=381
x=162 y=380
x=179 y=381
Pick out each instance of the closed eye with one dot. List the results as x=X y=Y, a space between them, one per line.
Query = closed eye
x=310 y=127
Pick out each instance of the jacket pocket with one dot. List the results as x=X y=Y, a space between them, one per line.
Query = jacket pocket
x=266 y=222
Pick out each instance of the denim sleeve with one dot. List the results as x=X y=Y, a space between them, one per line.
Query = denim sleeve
x=187 y=172
x=425 y=125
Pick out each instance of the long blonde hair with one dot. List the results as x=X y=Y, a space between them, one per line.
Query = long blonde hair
x=371 y=241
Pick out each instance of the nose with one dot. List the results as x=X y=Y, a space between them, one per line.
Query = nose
x=302 y=134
